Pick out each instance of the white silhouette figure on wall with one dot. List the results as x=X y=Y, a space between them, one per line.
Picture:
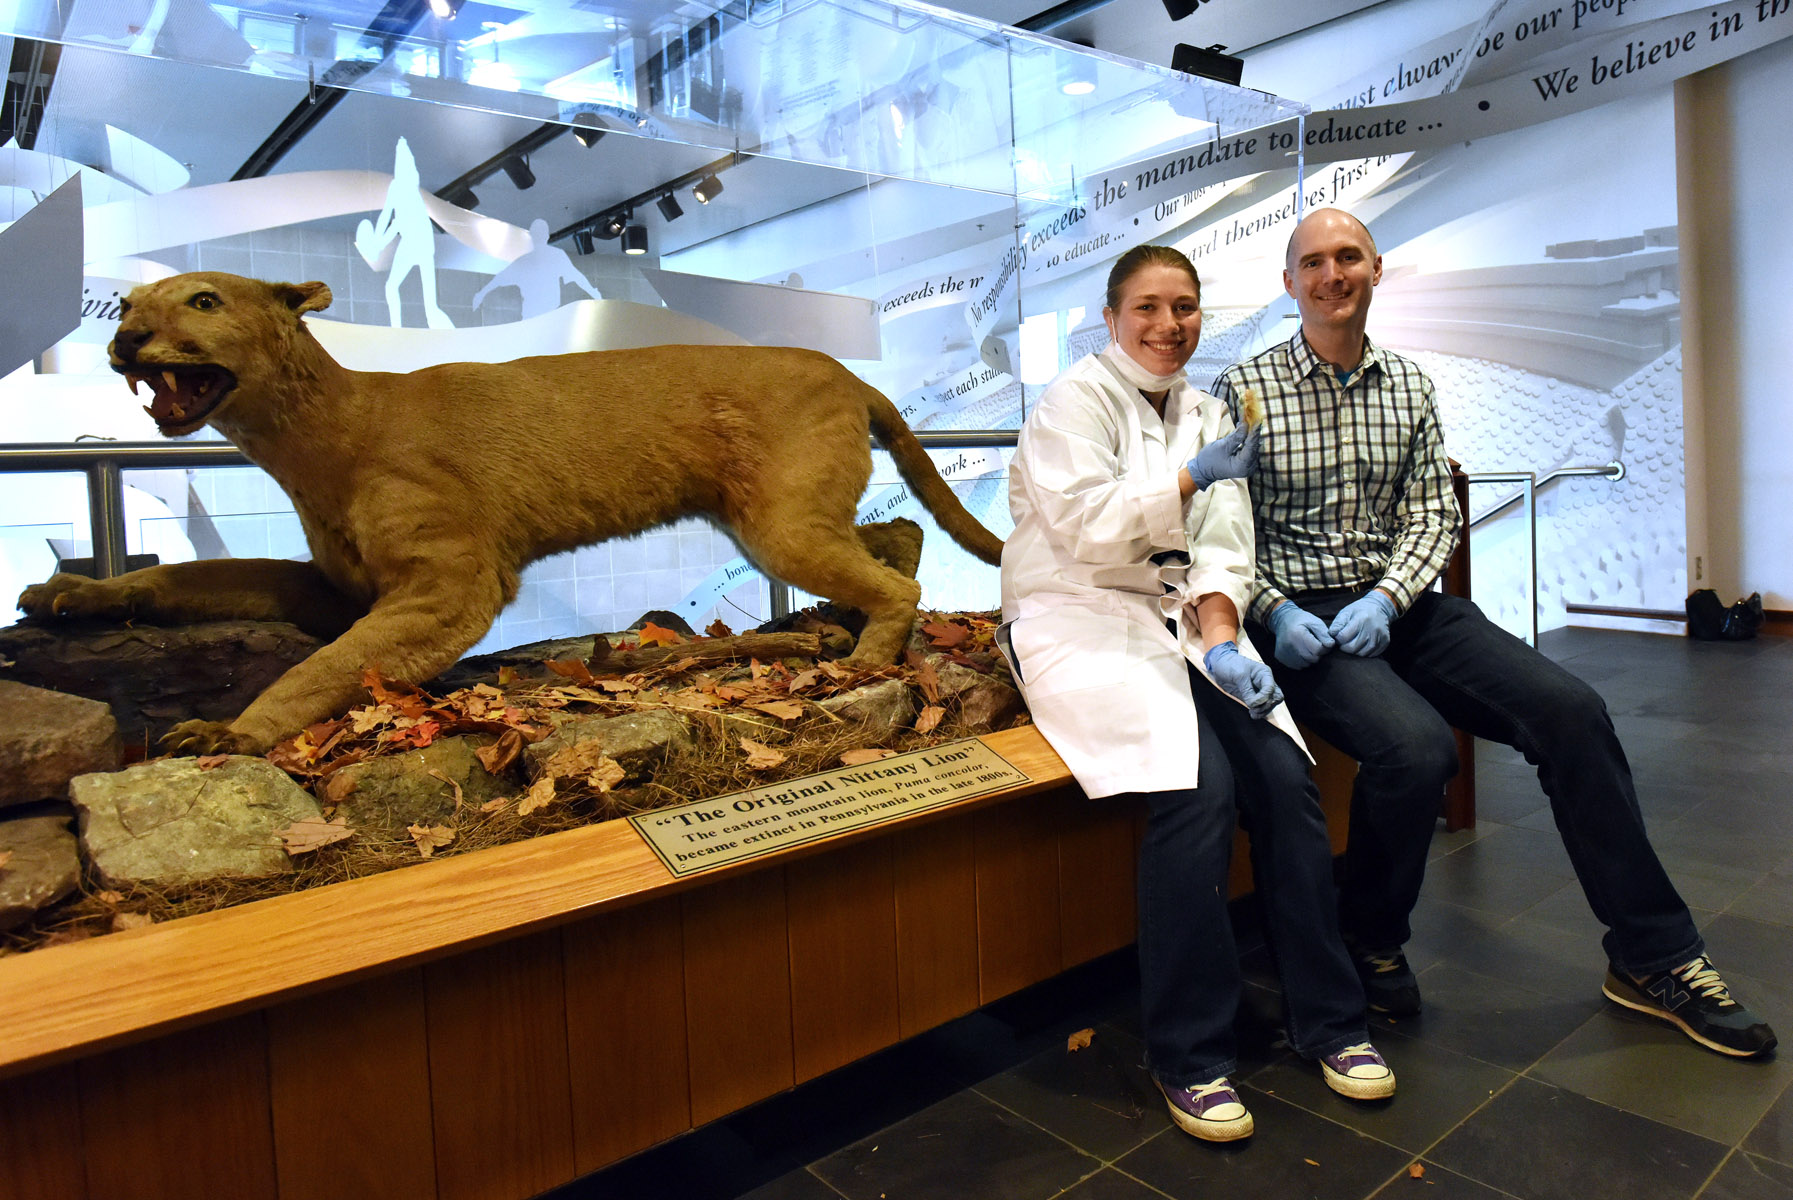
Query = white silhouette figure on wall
x=402 y=240
x=538 y=274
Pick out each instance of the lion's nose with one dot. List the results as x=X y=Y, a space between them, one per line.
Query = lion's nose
x=128 y=341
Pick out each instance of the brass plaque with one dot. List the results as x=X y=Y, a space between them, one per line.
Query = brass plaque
x=707 y=834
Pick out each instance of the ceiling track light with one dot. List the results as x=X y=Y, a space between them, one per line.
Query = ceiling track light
x=445 y=10
x=635 y=240
x=520 y=174
x=461 y=199
x=582 y=241
x=586 y=131
x=707 y=189
x=669 y=207
x=612 y=224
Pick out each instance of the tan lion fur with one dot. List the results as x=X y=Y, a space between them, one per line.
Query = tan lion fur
x=423 y=495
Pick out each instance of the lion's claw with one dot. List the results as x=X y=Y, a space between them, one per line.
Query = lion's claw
x=65 y=596
x=191 y=738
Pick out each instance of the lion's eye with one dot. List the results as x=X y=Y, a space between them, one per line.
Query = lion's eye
x=204 y=300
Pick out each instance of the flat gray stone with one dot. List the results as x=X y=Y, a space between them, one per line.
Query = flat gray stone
x=44 y=866
x=984 y=703
x=173 y=823
x=638 y=742
x=387 y=794
x=887 y=704
x=48 y=738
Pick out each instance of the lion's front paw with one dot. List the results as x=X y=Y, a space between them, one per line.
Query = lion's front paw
x=208 y=737
x=76 y=596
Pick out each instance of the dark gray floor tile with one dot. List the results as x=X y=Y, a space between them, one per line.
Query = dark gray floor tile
x=1439 y=926
x=1437 y=1088
x=1688 y=838
x=1110 y=1184
x=1769 y=899
x=1293 y=1154
x=1100 y=1098
x=1566 y=910
x=1650 y=1068
x=1752 y=947
x=1521 y=849
x=1534 y=955
x=963 y=1146
x=1437 y=1184
x=1773 y=1135
x=1544 y=1143
x=1502 y=887
x=1713 y=887
x=798 y=1185
x=1490 y=1019
x=1745 y=1177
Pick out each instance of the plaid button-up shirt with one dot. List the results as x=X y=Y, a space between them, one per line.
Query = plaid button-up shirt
x=1353 y=489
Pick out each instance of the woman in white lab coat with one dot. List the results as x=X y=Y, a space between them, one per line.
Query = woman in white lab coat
x=1122 y=587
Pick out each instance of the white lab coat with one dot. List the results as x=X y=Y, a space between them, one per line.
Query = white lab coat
x=1093 y=490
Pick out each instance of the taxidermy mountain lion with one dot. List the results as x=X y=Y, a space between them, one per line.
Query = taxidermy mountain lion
x=422 y=495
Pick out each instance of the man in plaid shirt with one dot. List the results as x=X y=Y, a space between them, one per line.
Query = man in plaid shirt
x=1355 y=520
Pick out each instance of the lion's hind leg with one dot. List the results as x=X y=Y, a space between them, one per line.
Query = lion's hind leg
x=830 y=559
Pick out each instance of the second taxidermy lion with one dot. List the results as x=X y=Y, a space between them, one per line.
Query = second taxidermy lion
x=423 y=495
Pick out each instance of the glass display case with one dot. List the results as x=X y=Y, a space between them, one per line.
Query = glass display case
x=933 y=199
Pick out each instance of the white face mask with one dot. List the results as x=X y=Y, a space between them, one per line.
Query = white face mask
x=1136 y=375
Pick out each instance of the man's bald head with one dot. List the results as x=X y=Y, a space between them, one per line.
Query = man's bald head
x=1330 y=214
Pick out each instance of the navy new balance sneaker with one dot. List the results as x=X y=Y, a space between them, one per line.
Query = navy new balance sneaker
x=1693 y=997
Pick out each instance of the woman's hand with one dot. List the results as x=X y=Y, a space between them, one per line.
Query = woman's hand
x=1234 y=456
x=1244 y=680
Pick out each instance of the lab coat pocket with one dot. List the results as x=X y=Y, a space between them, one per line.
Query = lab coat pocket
x=1070 y=650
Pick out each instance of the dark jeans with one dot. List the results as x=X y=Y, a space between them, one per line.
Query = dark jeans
x=1188 y=964
x=1446 y=665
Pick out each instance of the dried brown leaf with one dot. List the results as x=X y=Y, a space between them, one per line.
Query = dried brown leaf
x=108 y=896
x=302 y=837
x=540 y=795
x=858 y=758
x=928 y=718
x=459 y=799
x=339 y=786
x=430 y=838
x=761 y=757
x=211 y=762
x=5 y=857
x=784 y=710
x=1079 y=1040
x=570 y=668
x=655 y=635
x=1414 y=1170
x=494 y=805
x=131 y=920
x=606 y=775
x=717 y=629
x=946 y=634
x=498 y=757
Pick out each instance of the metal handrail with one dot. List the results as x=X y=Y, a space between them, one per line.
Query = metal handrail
x=105 y=462
x=1530 y=482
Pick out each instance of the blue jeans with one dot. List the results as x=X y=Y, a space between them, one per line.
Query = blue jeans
x=1447 y=664
x=1188 y=964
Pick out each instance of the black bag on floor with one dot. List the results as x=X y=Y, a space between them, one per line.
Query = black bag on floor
x=1710 y=621
x=1744 y=618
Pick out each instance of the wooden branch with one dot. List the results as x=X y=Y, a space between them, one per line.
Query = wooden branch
x=763 y=646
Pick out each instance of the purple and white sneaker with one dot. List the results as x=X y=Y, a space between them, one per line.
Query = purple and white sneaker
x=1358 y=1072
x=1210 y=1111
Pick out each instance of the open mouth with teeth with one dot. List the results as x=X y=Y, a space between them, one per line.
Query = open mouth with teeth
x=183 y=397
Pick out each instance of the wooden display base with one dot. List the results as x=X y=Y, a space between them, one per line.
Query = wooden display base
x=497 y=1024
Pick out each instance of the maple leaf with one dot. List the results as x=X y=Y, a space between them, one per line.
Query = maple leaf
x=507 y=676
x=492 y=806
x=929 y=717
x=784 y=710
x=366 y=720
x=616 y=685
x=858 y=758
x=108 y=897
x=760 y=756
x=430 y=838
x=540 y=795
x=693 y=698
x=654 y=635
x=948 y=636
x=502 y=753
x=717 y=629
x=1079 y=1040
x=756 y=670
x=732 y=693
x=804 y=679
x=606 y=775
x=339 y=786
x=1414 y=1170
x=302 y=837
x=572 y=668
x=422 y=733
x=211 y=762
x=926 y=677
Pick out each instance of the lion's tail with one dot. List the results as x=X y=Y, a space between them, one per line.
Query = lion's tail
x=918 y=470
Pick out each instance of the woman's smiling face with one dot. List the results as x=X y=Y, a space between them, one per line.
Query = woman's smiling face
x=1159 y=320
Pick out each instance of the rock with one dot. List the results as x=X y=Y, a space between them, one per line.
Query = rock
x=389 y=793
x=483 y=668
x=887 y=704
x=637 y=741
x=156 y=676
x=48 y=738
x=172 y=823
x=44 y=866
x=665 y=619
x=986 y=704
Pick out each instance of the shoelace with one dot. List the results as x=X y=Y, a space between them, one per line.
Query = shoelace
x=1384 y=963
x=1360 y=1048
x=1703 y=977
x=1201 y=1091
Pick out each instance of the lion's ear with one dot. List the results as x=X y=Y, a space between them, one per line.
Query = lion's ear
x=303 y=297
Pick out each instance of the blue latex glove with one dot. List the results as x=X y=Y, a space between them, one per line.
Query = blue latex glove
x=1362 y=625
x=1243 y=679
x=1301 y=637
x=1232 y=457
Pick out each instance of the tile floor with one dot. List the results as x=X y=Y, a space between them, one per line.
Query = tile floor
x=1517 y=1081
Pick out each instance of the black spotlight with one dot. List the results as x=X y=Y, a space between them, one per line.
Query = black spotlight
x=586 y=131
x=1209 y=63
x=613 y=225
x=707 y=189
x=461 y=199
x=582 y=241
x=635 y=239
x=669 y=207
x=1178 y=9
x=445 y=9
x=519 y=172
